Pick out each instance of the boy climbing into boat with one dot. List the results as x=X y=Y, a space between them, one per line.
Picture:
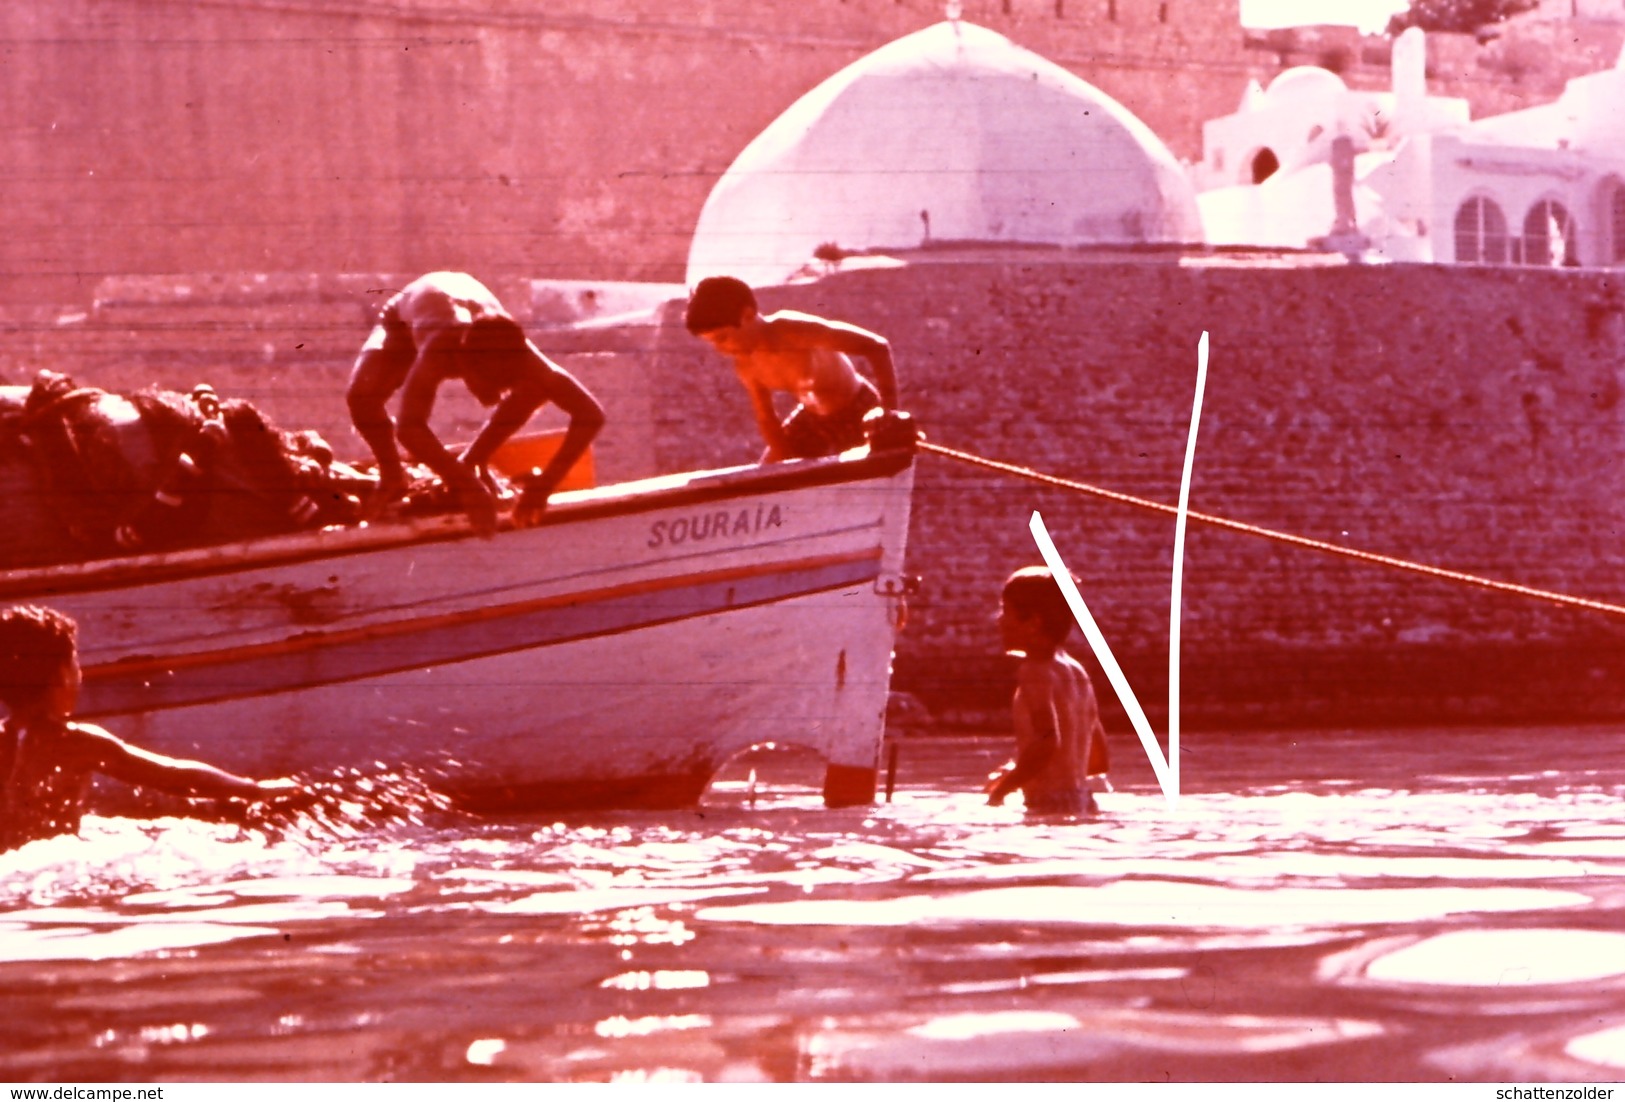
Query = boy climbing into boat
x=1059 y=738
x=448 y=325
x=47 y=760
x=799 y=354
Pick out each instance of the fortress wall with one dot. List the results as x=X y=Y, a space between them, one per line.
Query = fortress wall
x=566 y=140
x=1469 y=419
x=576 y=139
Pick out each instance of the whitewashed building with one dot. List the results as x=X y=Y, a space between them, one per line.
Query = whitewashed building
x=1542 y=186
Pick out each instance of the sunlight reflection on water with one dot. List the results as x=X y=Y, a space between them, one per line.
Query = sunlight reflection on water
x=1150 y=904
x=1606 y=1048
x=1505 y=958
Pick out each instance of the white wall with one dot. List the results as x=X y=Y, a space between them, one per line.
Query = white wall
x=1612 y=11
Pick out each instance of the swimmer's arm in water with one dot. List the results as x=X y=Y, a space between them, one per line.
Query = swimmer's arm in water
x=113 y=757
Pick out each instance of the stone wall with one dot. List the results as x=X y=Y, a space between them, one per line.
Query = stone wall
x=571 y=139
x=1467 y=419
x=575 y=139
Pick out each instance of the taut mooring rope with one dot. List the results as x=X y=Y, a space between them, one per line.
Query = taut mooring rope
x=1279 y=537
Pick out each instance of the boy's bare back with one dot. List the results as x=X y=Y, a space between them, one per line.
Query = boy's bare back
x=1059 y=686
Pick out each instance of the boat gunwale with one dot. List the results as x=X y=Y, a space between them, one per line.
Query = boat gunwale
x=618 y=499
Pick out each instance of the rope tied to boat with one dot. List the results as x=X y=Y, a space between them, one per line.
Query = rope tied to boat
x=1271 y=534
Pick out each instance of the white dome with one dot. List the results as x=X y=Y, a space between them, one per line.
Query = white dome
x=990 y=141
x=1306 y=81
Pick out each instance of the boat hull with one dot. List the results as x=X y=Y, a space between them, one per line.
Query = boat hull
x=616 y=655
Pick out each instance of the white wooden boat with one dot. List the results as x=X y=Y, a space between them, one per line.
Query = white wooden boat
x=615 y=655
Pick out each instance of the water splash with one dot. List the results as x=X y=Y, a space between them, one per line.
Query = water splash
x=345 y=818
x=350 y=803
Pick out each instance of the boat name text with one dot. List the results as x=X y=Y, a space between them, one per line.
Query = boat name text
x=718 y=524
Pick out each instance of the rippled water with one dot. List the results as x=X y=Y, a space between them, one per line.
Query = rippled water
x=1417 y=905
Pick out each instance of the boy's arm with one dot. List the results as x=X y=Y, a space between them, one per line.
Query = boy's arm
x=1037 y=697
x=417 y=403
x=509 y=417
x=586 y=418
x=767 y=419
x=433 y=367
x=366 y=398
x=132 y=765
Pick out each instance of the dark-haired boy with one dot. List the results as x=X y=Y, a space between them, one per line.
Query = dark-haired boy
x=1057 y=721
x=448 y=325
x=47 y=760
x=801 y=355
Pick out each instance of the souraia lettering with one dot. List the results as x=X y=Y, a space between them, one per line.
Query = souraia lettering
x=715 y=524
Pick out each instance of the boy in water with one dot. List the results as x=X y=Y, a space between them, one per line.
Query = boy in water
x=799 y=354
x=47 y=760
x=1057 y=723
x=448 y=325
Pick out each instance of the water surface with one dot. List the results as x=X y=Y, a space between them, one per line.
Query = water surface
x=1406 y=905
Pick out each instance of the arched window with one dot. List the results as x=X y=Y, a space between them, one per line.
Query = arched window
x=1481 y=232
x=1264 y=165
x=1548 y=236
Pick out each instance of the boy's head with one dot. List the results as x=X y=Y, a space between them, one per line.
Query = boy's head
x=38 y=652
x=1033 y=602
x=719 y=302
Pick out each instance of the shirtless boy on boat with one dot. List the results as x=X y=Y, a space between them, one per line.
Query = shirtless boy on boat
x=47 y=760
x=448 y=325
x=1059 y=737
x=799 y=354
